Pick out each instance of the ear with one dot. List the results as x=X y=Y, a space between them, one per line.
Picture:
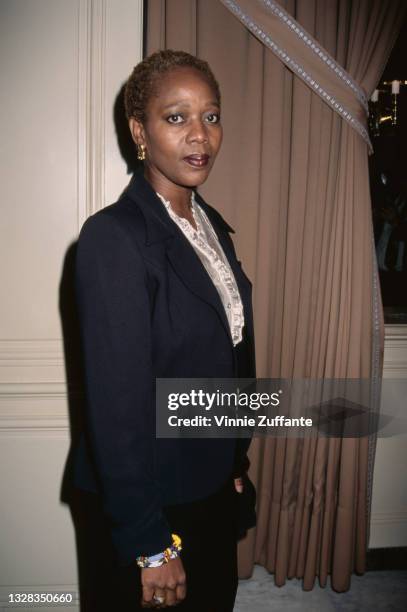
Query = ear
x=137 y=131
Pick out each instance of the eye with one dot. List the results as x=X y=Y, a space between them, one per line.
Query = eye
x=213 y=118
x=177 y=118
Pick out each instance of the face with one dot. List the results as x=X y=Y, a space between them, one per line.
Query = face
x=182 y=133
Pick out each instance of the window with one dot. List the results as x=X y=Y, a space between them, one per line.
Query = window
x=388 y=180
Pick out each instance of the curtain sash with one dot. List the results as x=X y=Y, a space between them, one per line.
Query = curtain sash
x=306 y=58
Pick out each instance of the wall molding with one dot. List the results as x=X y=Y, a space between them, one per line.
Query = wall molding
x=30 y=350
x=91 y=108
x=396 y=333
x=33 y=390
x=388 y=529
x=38 y=362
x=35 y=413
x=387 y=518
x=395 y=351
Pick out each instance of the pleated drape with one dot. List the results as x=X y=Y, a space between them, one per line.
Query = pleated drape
x=292 y=179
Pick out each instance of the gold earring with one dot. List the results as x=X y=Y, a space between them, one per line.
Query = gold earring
x=141 y=152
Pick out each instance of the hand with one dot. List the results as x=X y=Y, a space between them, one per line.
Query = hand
x=167 y=581
x=239 y=484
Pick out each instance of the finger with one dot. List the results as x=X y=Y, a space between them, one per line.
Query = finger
x=170 y=597
x=159 y=594
x=148 y=593
x=239 y=485
x=159 y=598
x=181 y=592
x=151 y=604
x=147 y=604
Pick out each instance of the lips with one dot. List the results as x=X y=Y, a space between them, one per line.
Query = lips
x=197 y=160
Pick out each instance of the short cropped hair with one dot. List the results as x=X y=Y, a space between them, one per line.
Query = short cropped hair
x=142 y=81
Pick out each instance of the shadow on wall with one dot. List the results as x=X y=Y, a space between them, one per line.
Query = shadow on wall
x=93 y=551
x=124 y=140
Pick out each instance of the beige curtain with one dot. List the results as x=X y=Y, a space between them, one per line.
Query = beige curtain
x=292 y=179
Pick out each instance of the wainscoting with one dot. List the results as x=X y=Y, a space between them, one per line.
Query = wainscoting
x=388 y=525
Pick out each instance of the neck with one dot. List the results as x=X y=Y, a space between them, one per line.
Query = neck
x=177 y=195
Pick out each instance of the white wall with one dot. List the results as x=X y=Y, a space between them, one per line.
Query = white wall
x=62 y=64
x=388 y=525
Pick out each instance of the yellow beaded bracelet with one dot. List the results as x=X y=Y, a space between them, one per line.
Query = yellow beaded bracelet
x=169 y=553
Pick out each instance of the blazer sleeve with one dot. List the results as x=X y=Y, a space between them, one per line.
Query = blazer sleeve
x=114 y=312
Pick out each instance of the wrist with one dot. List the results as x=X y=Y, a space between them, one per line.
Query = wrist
x=171 y=552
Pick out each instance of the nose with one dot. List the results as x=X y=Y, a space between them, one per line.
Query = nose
x=197 y=132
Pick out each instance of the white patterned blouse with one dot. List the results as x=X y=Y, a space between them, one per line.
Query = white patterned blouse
x=207 y=246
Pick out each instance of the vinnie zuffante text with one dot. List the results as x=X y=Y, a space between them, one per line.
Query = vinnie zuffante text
x=219 y=400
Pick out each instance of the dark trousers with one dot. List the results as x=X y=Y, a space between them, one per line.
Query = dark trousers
x=208 y=529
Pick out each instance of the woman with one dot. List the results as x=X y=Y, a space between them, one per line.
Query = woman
x=161 y=295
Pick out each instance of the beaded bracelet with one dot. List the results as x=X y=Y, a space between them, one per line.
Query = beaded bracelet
x=172 y=552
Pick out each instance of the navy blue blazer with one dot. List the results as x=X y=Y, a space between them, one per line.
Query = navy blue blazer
x=148 y=309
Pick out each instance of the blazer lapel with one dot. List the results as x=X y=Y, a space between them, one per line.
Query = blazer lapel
x=180 y=253
x=189 y=268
